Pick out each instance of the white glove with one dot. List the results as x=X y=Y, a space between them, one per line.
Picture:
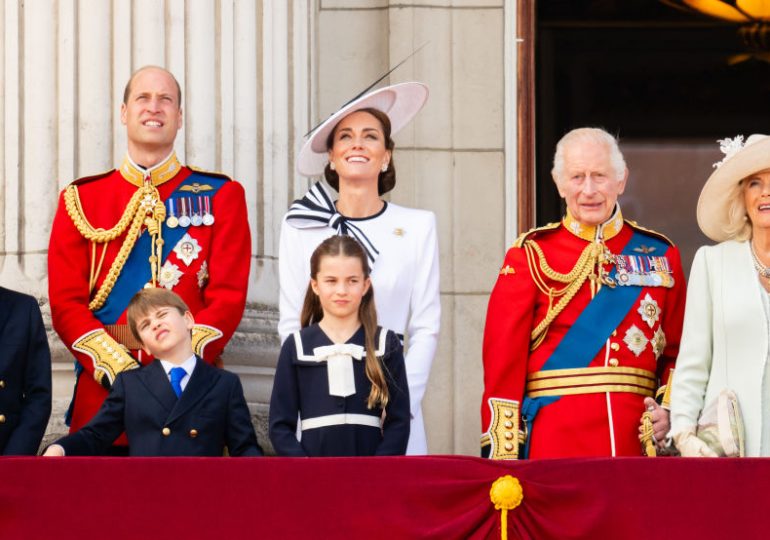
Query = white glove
x=689 y=445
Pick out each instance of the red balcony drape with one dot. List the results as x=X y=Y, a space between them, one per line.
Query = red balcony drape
x=442 y=497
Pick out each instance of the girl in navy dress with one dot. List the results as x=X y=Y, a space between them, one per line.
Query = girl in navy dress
x=341 y=376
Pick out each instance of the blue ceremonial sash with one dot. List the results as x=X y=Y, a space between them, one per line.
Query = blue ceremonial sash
x=593 y=327
x=136 y=272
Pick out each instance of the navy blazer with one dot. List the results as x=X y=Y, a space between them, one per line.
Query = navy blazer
x=25 y=374
x=211 y=414
x=301 y=388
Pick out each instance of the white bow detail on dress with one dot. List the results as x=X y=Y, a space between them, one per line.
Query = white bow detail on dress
x=339 y=366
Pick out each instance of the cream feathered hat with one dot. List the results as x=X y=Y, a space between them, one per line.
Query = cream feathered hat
x=401 y=102
x=741 y=160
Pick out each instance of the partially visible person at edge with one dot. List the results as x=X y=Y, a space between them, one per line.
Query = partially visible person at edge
x=25 y=374
x=353 y=149
x=150 y=222
x=584 y=321
x=725 y=337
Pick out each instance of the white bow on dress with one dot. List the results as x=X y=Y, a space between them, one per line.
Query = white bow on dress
x=339 y=366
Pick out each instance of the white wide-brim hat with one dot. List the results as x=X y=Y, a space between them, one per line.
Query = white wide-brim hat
x=401 y=102
x=741 y=160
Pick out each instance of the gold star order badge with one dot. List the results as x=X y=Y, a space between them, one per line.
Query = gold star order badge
x=170 y=275
x=203 y=275
x=649 y=310
x=635 y=340
x=187 y=249
x=658 y=342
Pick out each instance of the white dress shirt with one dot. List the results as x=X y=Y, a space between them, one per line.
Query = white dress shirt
x=188 y=365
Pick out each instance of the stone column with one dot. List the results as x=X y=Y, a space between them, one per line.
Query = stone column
x=255 y=77
x=244 y=68
x=451 y=160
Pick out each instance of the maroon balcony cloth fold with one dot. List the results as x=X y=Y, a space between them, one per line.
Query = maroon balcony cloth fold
x=441 y=497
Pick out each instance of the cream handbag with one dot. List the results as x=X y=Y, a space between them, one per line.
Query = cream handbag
x=720 y=426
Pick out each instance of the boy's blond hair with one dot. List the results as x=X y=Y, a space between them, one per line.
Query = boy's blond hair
x=149 y=299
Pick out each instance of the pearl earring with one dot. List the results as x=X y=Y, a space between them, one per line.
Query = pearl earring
x=331 y=165
x=385 y=167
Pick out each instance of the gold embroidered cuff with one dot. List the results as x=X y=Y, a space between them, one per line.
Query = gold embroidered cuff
x=202 y=335
x=109 y=357
x=503 y=434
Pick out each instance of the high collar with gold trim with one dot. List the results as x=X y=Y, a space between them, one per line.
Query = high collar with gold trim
x=160 y=173
x=592 y=233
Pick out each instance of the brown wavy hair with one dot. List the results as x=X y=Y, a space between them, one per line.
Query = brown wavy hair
x=312 y=312
x=386 y=181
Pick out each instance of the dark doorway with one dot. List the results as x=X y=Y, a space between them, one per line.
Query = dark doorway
x=666 y=82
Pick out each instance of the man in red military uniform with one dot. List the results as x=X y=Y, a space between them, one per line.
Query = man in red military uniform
x=584 y=322
x=151 y=222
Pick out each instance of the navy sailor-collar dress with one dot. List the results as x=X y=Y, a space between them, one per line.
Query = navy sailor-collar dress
x=324 y=386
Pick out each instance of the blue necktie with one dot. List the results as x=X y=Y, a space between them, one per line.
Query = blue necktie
x=177 y=374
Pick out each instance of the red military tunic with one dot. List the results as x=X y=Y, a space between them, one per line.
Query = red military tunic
x=209 y=269
x=588 y=412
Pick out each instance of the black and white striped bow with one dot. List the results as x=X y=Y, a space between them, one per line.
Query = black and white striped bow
x=317 y=209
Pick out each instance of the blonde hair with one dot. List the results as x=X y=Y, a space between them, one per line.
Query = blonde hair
x=312 y=312
x=738 y=224
x=148 y=299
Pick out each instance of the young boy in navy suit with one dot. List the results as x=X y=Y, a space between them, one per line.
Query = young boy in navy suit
x=176 y=406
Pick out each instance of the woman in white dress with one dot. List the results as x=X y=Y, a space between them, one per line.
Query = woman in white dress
x=723 y=357
x=353 y=149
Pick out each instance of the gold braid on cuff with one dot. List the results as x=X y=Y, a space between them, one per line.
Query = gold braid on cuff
x=109 y=357
x=503 y=434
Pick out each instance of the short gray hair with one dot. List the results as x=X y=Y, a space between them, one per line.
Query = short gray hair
x=588 y=134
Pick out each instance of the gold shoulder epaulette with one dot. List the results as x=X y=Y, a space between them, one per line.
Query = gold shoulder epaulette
x=209 y=173
x=202 y=335
x=634 y=225
x=523 y=236
x=86 y=179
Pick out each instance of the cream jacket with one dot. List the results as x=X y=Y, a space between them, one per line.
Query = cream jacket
x=724 y=340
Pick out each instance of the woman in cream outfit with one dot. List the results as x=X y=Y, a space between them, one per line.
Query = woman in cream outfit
x=353 y=150
x=725 y=338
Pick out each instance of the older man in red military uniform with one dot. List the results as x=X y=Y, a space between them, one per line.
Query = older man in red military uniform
x=584 y=321
x=151 y=222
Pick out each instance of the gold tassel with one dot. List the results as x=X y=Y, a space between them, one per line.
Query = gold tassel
x=647 y=432
x=506 y=494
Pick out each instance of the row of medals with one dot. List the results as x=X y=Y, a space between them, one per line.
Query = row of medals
x=645 y=271
x=189 y=212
